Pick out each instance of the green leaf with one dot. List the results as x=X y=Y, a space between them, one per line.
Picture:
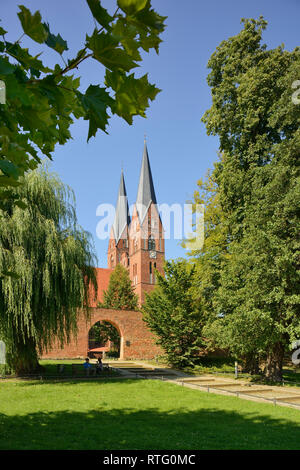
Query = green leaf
x=8 y=181
x=15 y=90
x=49 y=88
x=132 y=94
x=9 y=169
x=150 y=19
x=131 y=7
x=55 y=42
x=95 y=103
x=5 y=67
x=100 y=14
x=26 y=59
x=127 y=34
x=32 y=25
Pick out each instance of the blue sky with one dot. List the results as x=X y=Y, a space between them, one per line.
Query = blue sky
x=179 y=149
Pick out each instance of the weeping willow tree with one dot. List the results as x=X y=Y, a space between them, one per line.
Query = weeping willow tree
x=52 y=261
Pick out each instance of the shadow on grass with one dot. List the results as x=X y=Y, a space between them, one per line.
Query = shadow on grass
x=70 y=380
x=148 y=429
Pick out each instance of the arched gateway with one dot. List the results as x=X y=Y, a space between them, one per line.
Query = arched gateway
x=137 y=342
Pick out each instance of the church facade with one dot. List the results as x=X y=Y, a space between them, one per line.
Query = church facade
x=137 y=242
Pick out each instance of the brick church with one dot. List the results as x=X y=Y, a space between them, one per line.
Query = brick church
x=138 y=243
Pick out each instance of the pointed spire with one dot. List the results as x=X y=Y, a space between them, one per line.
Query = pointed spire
x=146 y=193
x=122 y=218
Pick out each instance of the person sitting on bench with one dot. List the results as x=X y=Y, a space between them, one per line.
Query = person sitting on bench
x=88 y=367
x=99 y=366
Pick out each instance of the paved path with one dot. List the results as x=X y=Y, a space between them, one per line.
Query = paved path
x=278 y=395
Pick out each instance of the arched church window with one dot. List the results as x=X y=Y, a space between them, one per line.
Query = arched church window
x=151 y=243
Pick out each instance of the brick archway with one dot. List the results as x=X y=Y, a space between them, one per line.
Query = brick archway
x=115 y=326
x=137 y=342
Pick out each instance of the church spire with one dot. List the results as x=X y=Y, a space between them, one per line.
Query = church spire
x=146 y=193
x=122 y=218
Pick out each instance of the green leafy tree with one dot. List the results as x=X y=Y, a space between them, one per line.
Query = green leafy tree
x=208 y=259
x=120 y=293
x=172 y=314
x=52 y=259
x=43 y=101
x=252 y=112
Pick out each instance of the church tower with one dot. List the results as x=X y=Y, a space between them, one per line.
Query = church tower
x=146 y=235
x=118 y=247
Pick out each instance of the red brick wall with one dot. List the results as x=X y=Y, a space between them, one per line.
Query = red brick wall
x=141 y=257
x=137 y=342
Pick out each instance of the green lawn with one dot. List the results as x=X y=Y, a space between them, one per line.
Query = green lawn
x=137 y=414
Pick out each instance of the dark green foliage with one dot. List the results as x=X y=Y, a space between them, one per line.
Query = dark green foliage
x=254 y=305
x=173 y=315
x=42 y=102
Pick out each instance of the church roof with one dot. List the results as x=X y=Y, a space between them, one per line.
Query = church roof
x=122 y=218
x=146 y=193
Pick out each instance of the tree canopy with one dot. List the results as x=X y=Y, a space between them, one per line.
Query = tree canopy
x=172 y=314
x=253 y=277
x=43 y=101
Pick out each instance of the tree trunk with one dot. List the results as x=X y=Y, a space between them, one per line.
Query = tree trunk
x=274 y=363
x=251 y=364
x=22 y=357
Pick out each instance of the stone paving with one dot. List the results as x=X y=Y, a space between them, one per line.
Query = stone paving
x=279 y=395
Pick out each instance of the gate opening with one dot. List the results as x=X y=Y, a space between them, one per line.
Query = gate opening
x=105 y=340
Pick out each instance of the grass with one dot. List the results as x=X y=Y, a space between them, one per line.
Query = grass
x=137 y=414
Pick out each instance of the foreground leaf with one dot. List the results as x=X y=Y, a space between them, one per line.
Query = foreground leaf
x=32 y=24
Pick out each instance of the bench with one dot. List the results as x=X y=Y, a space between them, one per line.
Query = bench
x=60 y=368
x=77 y=369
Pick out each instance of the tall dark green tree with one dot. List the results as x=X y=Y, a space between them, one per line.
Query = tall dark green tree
x=172 y=314
x=52 y=259
x=120 y=293
x=258 y=123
